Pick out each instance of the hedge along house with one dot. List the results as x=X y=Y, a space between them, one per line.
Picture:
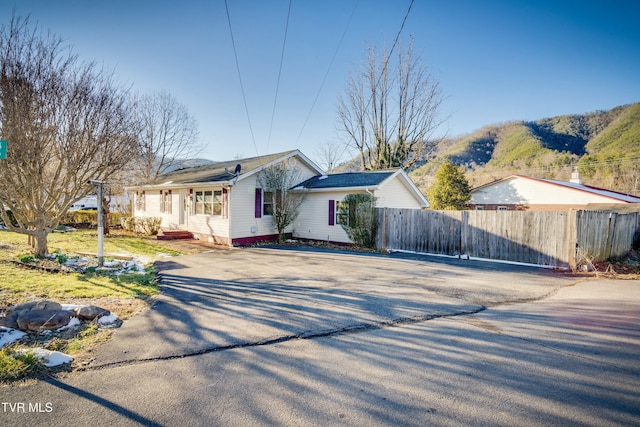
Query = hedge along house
x=224 y=203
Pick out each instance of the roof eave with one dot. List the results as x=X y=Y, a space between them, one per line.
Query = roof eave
x=178 y=186
x=341 y=189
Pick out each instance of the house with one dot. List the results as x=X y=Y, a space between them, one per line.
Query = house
x=224 y=203
x=319 y=219
x=518 y=192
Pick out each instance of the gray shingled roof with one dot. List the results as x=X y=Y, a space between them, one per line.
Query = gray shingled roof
x=216 y=172
x=345 y=180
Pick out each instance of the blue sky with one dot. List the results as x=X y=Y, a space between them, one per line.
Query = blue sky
x=495 y=60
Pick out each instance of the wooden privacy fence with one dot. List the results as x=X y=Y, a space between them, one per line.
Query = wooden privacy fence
x=558 y=239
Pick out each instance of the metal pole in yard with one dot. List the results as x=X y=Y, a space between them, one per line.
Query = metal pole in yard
x=99 y=186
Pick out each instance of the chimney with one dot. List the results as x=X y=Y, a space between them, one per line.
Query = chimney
x=575 y=177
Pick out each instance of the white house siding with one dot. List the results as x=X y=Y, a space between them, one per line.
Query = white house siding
x=394 y=194
x=212 y=228
x=313 y=219
x=152 y=207
x=522 y=191
x=244 y=225
x=169 y=220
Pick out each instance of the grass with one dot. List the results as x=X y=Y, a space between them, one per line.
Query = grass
x=21 y=284
x=16 y=367
x=123 y=294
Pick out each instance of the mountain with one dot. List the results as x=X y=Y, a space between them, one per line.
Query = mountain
x=603 y=145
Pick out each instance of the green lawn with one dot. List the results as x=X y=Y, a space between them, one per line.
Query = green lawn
x=20 y=284
x=123 y=294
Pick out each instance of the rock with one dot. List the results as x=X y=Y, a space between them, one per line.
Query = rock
x=38 y=320
x=10 y=320
x=91 y=312
x=110 y=321
x=43 y=304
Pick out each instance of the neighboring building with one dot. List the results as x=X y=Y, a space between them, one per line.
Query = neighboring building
x=116 y=203
x=517 y=192
x=223 y=202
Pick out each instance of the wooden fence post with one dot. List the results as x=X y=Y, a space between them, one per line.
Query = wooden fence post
x=572 y=240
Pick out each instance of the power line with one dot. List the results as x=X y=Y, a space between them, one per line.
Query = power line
x=244 y=98
x=275 y=99
x=326 y=74
x=386 y=61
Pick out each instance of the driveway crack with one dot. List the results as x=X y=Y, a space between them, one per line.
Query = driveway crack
x=305 y=335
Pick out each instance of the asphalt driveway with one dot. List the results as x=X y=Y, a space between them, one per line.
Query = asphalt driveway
x=295 y=337
x=225 y=299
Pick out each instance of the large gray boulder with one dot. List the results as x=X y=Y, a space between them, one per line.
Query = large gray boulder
x=42 y=304
x=39 y=320
x=91 y=312
x=10 y=321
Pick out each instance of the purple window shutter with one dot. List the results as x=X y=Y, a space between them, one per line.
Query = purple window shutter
x=332 y=212
x=258 y=209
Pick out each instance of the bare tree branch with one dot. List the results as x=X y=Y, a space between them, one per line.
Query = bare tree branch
x=279 y=181
x=65 y=122
x=389 y=112
x=167 y=133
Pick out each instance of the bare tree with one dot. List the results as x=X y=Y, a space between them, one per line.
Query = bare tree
x=65 y=121
x=390 y=110
x=167 y=133
x=279 y=183
x=330 y=154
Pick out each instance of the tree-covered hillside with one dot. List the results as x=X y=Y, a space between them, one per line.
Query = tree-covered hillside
x=604 y=145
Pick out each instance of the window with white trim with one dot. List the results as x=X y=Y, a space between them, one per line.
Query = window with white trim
x=165 y=201
x=267 y=203
x=141 y=204
x=342 y=213
x=208 y=202
x=217 y=202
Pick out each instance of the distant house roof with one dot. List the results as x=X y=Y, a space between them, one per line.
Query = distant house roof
x=347 y=180
x=613 y=195
x=595 y=190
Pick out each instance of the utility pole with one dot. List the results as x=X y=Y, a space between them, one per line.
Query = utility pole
x=99 y=187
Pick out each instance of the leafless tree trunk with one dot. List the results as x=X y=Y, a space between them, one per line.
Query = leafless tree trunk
x=279 y=180
x=389 y=111
x=167 y=133
x=65 y=121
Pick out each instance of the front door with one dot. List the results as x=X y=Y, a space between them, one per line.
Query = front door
x=184 y=208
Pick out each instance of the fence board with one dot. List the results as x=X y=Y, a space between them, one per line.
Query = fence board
x=553 y=238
